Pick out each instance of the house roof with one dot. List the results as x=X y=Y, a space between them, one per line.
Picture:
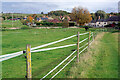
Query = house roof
x=93 y=21
x=102 y=20
x=54 y=21
x=114 y=18
x=44 y=18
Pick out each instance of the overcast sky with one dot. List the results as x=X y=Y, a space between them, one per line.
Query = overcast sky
x=38 y=6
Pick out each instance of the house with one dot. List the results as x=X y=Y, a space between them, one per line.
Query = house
x=50 y=18
x=113 y=19
x=104 y=22
x=44 y=18
x=98 y=23
x=64 y=17
x=25 y=18
x=101 y=23
x=39 y=19
x=54 y=21
x=61 y=18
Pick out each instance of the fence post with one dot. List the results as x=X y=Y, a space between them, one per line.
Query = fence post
x=28 y=55
x=89 y=41
x=78 y=47
x=93 y=36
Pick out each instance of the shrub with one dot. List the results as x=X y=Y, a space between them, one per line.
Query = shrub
x=86 y=28
x=25 y=27
x=48 y=24
x=59 y=24
x=65 y=23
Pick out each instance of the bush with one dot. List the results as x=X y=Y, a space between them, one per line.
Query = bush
x=25 y=27
x=65 y=24
x=48 y=24
x=86 y=28
x=23 y=22
x=59 y=24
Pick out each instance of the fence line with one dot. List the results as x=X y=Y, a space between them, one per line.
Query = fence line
x=58 y=47
x=69 y=62
x=84 y=33
x=8 y=56
x=53 y=48
x=63 y=67
x=62 y=62
x=56 y=41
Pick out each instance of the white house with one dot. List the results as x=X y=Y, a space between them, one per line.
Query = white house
x=98 y=23
x=104 y=22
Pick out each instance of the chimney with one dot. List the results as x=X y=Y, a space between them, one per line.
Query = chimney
x=99 y=17
x=110 y=15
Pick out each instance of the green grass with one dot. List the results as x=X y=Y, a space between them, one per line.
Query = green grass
x=101 y=61
x=42 y=62
x=8 y=24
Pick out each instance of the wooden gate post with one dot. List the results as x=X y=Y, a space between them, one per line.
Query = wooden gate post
x=89 y=40
x=78 y=47
x=28 y=55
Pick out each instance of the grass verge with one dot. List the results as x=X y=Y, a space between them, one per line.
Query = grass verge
x=101 y=61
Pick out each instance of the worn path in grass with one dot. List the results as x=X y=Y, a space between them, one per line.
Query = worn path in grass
x=101 y=61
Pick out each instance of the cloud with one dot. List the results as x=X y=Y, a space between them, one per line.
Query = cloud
x=38 y=7
x=27 y=7
x=60 y=0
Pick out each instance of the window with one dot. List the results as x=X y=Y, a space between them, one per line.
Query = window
x=99 y=22
x=105 y=23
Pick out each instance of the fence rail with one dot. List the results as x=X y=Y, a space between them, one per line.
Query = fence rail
x=8 y=56
x=12 y=55
x=67 y=63
x=67 y=59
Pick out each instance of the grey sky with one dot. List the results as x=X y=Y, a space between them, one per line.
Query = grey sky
x=30 y=6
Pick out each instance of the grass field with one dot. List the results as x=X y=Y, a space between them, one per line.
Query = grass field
x=42 y=62
x=101 y=61
x=8 y=24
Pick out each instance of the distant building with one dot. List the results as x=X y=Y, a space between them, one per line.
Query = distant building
x=113 y=19
x=54 y=21
x=98 y=23
x=44 y=18
x=104 y=22
x=50 y=18
x=25 y=18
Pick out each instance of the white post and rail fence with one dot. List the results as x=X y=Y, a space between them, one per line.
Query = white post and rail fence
x=30 y=50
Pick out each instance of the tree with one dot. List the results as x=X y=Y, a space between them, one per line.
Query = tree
x=80 y=15
x=93 y=16
x=30 y=19
x=58 y=13
x=65 y=23
x=100 y=13
x=42 y=13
